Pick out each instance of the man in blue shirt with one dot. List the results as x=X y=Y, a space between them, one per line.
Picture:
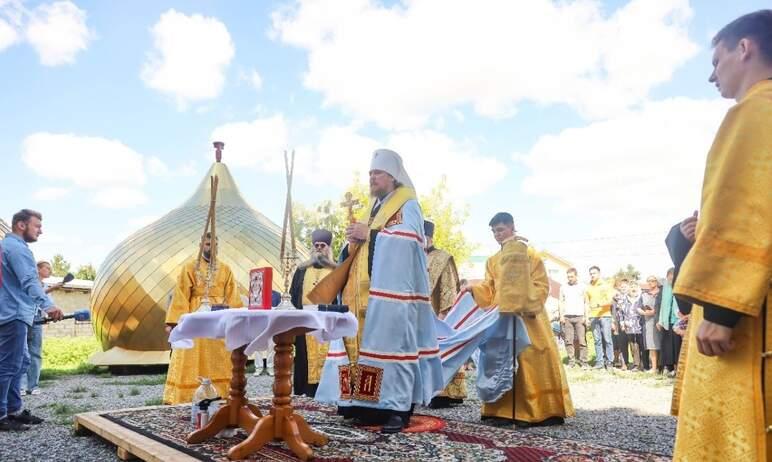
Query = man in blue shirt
x=20 y=296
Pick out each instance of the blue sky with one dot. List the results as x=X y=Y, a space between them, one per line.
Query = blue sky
x=589 y=121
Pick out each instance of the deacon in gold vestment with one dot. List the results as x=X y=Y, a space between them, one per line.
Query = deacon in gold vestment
x=208 y=357
x=444 y=286
x=542 y=396
x=725 y=408
x=309 y=353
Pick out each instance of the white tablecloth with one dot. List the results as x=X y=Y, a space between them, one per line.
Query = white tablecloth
x=255 y=328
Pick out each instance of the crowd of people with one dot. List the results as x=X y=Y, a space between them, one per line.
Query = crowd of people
x=636 y=327
x=722 y=260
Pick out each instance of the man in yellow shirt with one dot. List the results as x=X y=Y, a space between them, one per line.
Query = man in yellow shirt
x=725 y=410
x=600 y=296
x=541 y=391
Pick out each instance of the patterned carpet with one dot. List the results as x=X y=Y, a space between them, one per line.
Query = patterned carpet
x=455 y=441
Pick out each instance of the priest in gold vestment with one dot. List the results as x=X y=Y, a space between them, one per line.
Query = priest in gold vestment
x=725 y=409
x=444 y=286
x=541 y=393
x=208 y=358
x=309 y=352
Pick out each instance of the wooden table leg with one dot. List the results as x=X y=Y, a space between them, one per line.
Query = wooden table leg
x=282 y=424
x=238 y=413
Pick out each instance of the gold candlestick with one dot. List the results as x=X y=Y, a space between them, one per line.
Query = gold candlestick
x=288 y=253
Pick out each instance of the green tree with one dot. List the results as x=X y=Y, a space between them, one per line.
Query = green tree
x=86 y=272
x=59 y=266
x=629 y=273
x=436 y=207
x=330 y=215
x=447 y=218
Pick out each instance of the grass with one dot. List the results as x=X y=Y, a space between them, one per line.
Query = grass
x=68 y=356
x=583 y=375
x=134 y=391
x=154 y=402
x=63 y=412
x=141 y=382
x=94 y=394
x=81 y=369
x=79 y=389
x=60 y=409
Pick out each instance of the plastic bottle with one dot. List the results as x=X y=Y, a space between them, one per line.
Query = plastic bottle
x=205 y=391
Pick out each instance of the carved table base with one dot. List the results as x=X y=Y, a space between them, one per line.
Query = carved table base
x=238 y=413
x=282 y=424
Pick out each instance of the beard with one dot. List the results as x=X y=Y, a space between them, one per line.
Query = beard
x=29 y=237
x=207 y=254
x=321 y=259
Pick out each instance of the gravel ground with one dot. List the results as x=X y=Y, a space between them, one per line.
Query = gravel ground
x=619 y=409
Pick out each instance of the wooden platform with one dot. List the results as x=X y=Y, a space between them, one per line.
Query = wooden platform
x=130 y=445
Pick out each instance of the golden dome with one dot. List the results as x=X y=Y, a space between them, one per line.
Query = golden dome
x=137 y=279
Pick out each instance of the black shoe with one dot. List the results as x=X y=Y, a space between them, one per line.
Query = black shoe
x=26 y=418
x=551 y=421
x=497 y=421
x=439 y=402
x=395 y=424
x=548 y=422
x=9 y=425
x=359 y=422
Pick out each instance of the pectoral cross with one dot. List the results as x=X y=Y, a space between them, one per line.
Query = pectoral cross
x=350 y=203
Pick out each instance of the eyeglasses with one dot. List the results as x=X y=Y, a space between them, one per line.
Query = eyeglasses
x=320 y=245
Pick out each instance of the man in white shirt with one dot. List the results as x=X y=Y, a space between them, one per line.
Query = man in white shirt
x=572 y=309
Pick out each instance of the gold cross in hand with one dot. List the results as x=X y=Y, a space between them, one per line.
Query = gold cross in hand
x=350 y=203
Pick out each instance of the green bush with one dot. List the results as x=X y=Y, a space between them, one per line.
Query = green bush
x=67 y=355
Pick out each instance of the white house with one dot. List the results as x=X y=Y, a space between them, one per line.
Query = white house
x=4 y=228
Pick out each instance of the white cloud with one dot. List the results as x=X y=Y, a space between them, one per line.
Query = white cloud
x=332 y=154
x=639 y=172
x=50 y=194
x=88 y=162
x=256 y=80
x=429 y=155
x=259 y=144
x=119 y=198
x=11 y=12
x=58 y=32
x=112 y=172
x=190 y=57
x=157 y=167
x=8 y=35
x=401 y=64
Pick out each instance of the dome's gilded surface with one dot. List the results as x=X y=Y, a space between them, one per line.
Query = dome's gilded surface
x=136 y=280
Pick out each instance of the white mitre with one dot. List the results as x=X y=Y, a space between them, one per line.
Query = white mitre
x=391 y=163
